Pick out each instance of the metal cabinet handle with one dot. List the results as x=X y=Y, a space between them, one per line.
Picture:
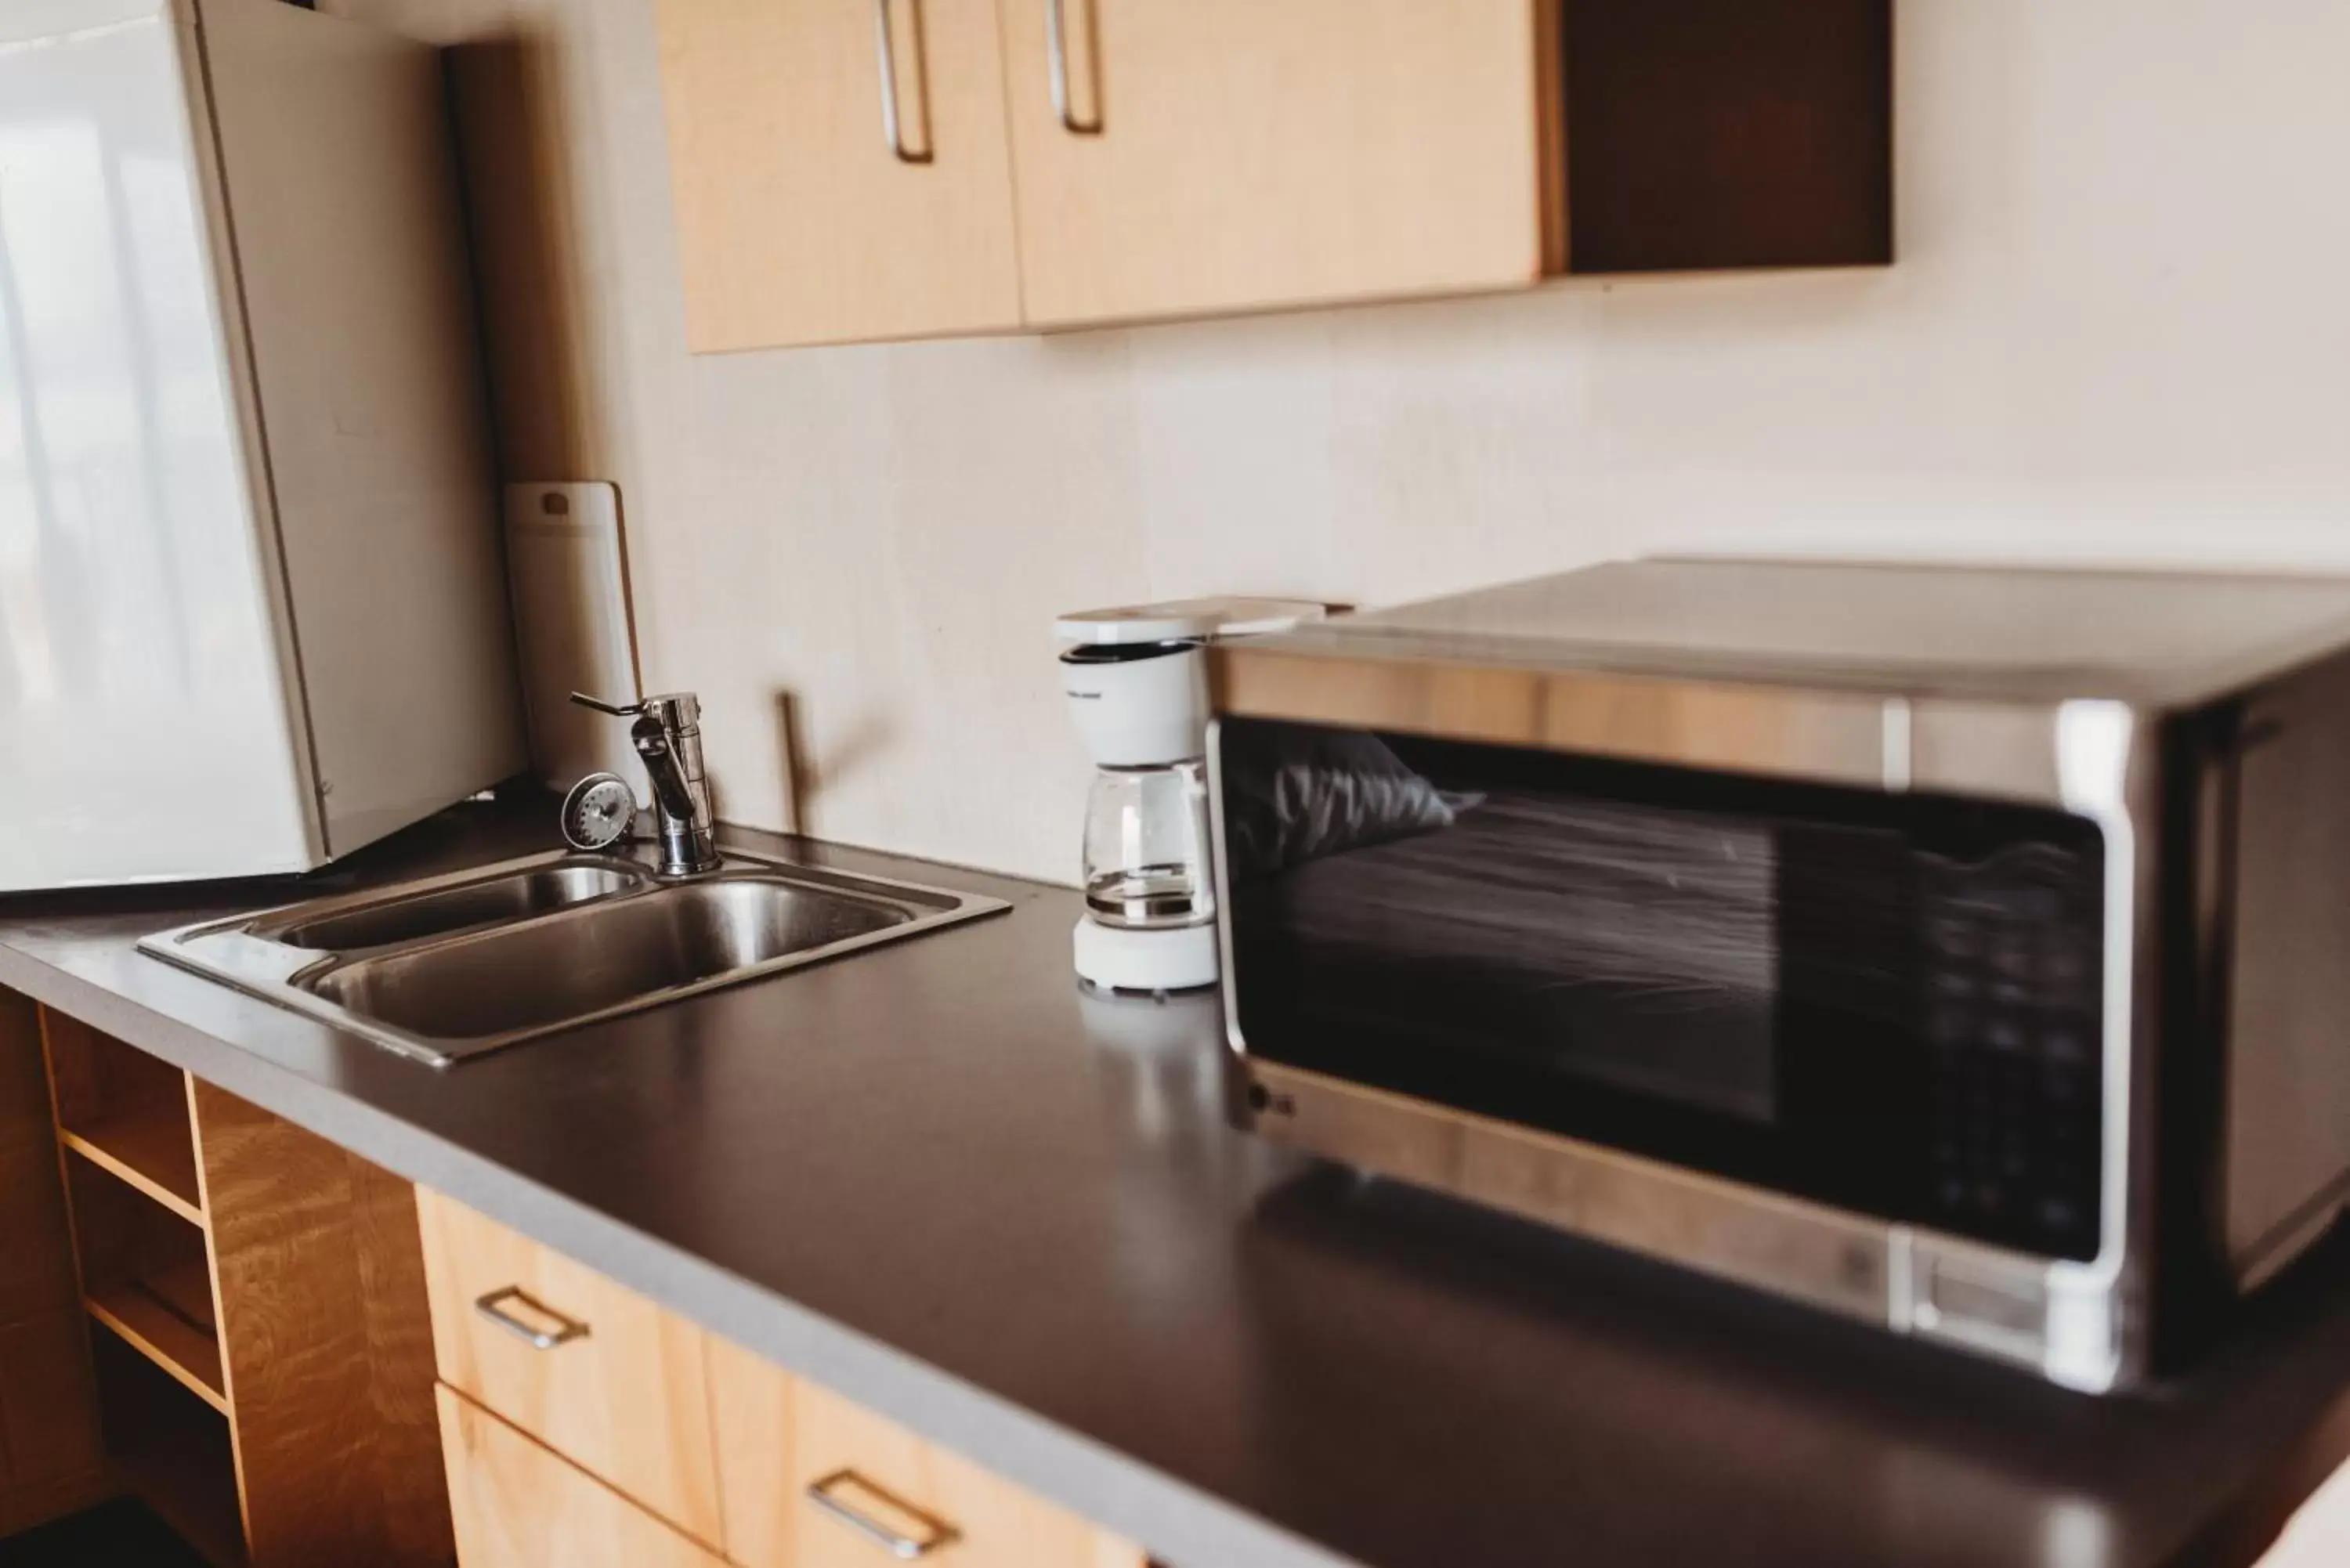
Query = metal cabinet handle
x=892 y=130
x=1056 y=56
x=936 y=1532
x=492 y=1307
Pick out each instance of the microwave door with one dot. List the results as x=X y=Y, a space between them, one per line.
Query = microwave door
x=1732 y=976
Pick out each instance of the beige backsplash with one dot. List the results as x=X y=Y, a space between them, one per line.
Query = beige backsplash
x=2119 y=329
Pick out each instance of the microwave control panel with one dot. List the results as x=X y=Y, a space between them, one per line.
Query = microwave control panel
x=2010 y=973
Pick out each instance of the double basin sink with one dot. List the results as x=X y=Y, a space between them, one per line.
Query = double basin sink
x=453 y=966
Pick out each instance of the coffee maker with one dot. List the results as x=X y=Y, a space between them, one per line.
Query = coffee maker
x=1136 y=679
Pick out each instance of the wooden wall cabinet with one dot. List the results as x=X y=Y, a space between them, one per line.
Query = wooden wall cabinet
x=1241 y=155
x=807 y=215
x=847 y=170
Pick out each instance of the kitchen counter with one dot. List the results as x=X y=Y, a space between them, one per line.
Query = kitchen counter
x=940 y=1180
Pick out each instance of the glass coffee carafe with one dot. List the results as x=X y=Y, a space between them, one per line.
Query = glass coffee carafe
x=1146 y=862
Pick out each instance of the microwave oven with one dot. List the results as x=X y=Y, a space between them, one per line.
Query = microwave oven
x=1965 y=950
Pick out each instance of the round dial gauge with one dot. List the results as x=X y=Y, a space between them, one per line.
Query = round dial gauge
x=598 y=812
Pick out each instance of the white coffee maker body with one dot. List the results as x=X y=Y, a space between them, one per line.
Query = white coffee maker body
x=1136 y=680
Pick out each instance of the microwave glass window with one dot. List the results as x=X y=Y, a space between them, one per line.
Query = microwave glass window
x=1576 y=938
x=1885 y=1001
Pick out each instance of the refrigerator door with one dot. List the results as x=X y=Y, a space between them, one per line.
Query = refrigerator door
x=146 y=733
x=354 y=282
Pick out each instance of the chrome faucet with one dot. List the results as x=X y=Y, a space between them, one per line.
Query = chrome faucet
x=668 y=735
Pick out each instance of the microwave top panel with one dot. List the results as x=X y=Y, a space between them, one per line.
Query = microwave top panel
x=1994 y=634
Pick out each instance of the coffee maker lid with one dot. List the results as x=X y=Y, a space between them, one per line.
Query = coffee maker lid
x=1180 y=620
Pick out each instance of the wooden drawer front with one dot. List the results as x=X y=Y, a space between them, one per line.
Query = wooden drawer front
x=518 y=1505
x=895 y=1496
x=612 y=1383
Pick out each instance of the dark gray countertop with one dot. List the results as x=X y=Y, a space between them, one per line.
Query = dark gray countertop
x=937 y=1179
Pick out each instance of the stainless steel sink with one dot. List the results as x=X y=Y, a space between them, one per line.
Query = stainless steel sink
x=403 y=918
x=453 y=966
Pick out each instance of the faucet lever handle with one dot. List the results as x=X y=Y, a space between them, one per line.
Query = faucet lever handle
x=616 y=710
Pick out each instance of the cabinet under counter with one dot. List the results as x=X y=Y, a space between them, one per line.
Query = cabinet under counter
x=567 y=1398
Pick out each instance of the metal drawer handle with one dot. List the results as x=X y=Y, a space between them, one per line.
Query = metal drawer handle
x=492 y=1307
x=1057 y=57
x=936 y=1532
x=893 y=130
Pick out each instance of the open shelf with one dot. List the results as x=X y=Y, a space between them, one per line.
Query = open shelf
x=140 y=1149
x=182 y=1483
x=167 y=1317
x=264 y=1363
x=170 y=1452
x=122 y=1109
x=146 y=1276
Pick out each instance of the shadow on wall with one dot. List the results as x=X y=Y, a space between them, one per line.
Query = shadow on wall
x=803 y=784
x=512 y=123
x=522 y=212
x=792 y=762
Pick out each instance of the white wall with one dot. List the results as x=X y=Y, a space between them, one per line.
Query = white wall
x=2119 y=329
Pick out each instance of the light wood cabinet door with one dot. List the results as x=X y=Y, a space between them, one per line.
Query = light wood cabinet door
x=594 y=1371
x=883 y=1493
x=517 y=1505
x=1236 y=154
x=807 y=211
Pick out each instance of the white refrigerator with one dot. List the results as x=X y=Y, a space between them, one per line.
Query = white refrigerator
x=252 y=613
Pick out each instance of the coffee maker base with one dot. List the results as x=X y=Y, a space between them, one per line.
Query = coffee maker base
x=1117 y=958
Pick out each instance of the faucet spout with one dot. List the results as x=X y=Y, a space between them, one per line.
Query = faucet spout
x=668 y=735
x=669 y=788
